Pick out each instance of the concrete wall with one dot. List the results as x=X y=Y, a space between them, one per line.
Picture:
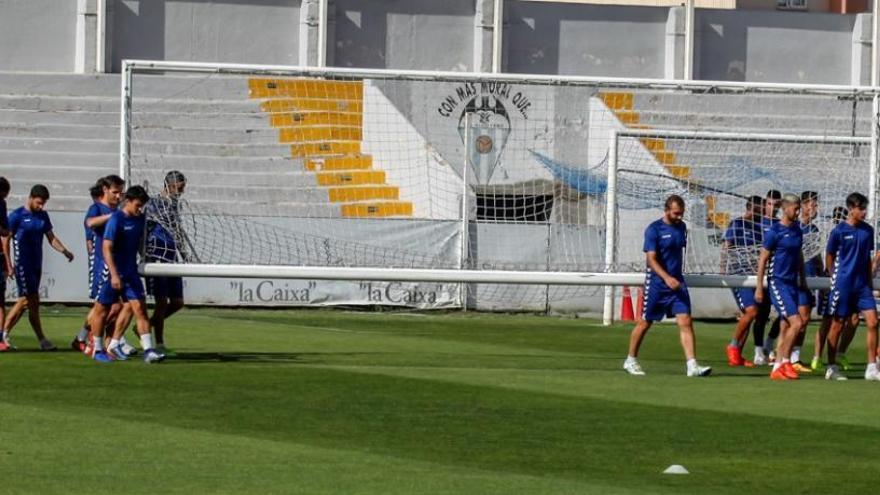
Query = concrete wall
x=589 y=40
x=774 y=46
x=404 y=34
x=37 y=35
x=243 y=31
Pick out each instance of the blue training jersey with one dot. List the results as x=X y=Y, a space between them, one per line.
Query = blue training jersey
x=98 y=209
x=784 y=244
x=127 y=233
x=89 y=234
x=28 y=229
x=668 y=241
x=744 y=232
x=851 y=247
x=4 y=225
x=813 y=267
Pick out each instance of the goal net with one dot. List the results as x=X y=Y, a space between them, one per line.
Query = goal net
x=492 y=190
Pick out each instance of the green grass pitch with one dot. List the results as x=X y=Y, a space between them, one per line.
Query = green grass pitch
x=328 y=401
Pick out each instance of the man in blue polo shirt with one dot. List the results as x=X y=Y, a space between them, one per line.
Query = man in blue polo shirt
x=666 y=294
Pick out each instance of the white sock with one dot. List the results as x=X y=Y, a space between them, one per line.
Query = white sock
x=83 y=333
x=872 y=367
x=98 y=344
x=113 y=344
x=692 y=363
x=147 y=341
x=777 y=365
x=631 y=359
x=795 y=354
x=786 y=360
x=759 y=351
x=5 y=335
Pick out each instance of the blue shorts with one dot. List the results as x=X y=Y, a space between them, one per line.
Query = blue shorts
x=822 y=303
x=784 y=296
x=91 y=275
x=843 y=302
x=100 y=273
x=2 y=279
x=745 y=298
x=27 y=281
x=162 y=287
x=806 y=298
x=132 y=289
x=663 y=302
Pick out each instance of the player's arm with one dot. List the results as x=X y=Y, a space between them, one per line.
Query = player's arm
x=6 y=240
x=57 y=245
x=115 y=281
x=762 y=265
x=869 y=267
x=656 y=267
x=98 y=221
x=802 y=271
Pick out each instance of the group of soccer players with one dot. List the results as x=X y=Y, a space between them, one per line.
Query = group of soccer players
x=116 y=228
x=778 y=225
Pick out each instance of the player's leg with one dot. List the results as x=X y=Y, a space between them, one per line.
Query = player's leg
x=772 y=337
x=785 y=299
x=12 y=318
x=758 y=330
x=819 y=342
x=654 y=309
x=871 y=372
x=142 y=326
x=748 y=312
x=33 y=304
x=96 y=335
x=847 y=335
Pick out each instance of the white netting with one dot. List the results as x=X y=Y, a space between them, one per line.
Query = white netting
x=727 y=182
x=300 y=170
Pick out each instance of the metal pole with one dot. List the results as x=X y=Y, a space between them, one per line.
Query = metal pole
x=125 y=123
x=872 y=176
x=100 y=46
x=497 y=35
x=463 y=290
x=689 y=41
x=610 y=229
x=322 y=33
x=875 y=41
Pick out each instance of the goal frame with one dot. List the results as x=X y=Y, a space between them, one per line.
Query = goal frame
x=608 y=278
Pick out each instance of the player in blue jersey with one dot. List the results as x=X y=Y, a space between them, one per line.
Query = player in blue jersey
x=782 y=261
x=764 y=347
x=739 y=254
x=27 y=226
x=666 y=294
x=849 y=253
x=123 y=235
x=166 y=242
x=5 y=258
x=813 y=267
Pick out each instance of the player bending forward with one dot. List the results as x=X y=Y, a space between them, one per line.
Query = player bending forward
x=665 y=291
x=123 y=236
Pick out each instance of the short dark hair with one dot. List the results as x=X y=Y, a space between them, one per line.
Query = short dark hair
x=674 y=199
x=839 y=213
x=754 y=201
x=137 y=193
x=96 y=191
x=174 y=177
x=40 y=191
x=774 y=194
x=809 y=195
x=856 y=200
x=4 y=186
x=113 y=180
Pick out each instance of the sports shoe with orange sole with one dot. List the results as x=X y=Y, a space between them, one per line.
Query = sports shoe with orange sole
x=778 y=375
x=789 y=371
x=3 y=346
x=734 y=355
x=801 y=367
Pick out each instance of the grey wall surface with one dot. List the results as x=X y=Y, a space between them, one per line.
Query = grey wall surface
x=404 y=34
x=773 y=46
x=242 y=31
x=37 y=35
x=591 y=40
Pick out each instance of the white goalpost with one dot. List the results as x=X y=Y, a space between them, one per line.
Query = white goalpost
x=501 y=190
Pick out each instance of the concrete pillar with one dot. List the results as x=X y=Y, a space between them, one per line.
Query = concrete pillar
x=861 y=51
x=675 y=44
x=483 y=27
x=86 y=36
x=309 y=19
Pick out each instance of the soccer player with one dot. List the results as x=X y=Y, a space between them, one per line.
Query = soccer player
x=838 y=216
x=772 y=203
x=813 y=267
x=5 y=258
x=849 y=253
x=665 y=291
x=738 y=256
x=164 y=236
x=27 y=226
x=782 y=248
x=123 y=235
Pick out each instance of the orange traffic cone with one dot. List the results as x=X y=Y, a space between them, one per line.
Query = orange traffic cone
x=640 y=301
x=626 y=306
